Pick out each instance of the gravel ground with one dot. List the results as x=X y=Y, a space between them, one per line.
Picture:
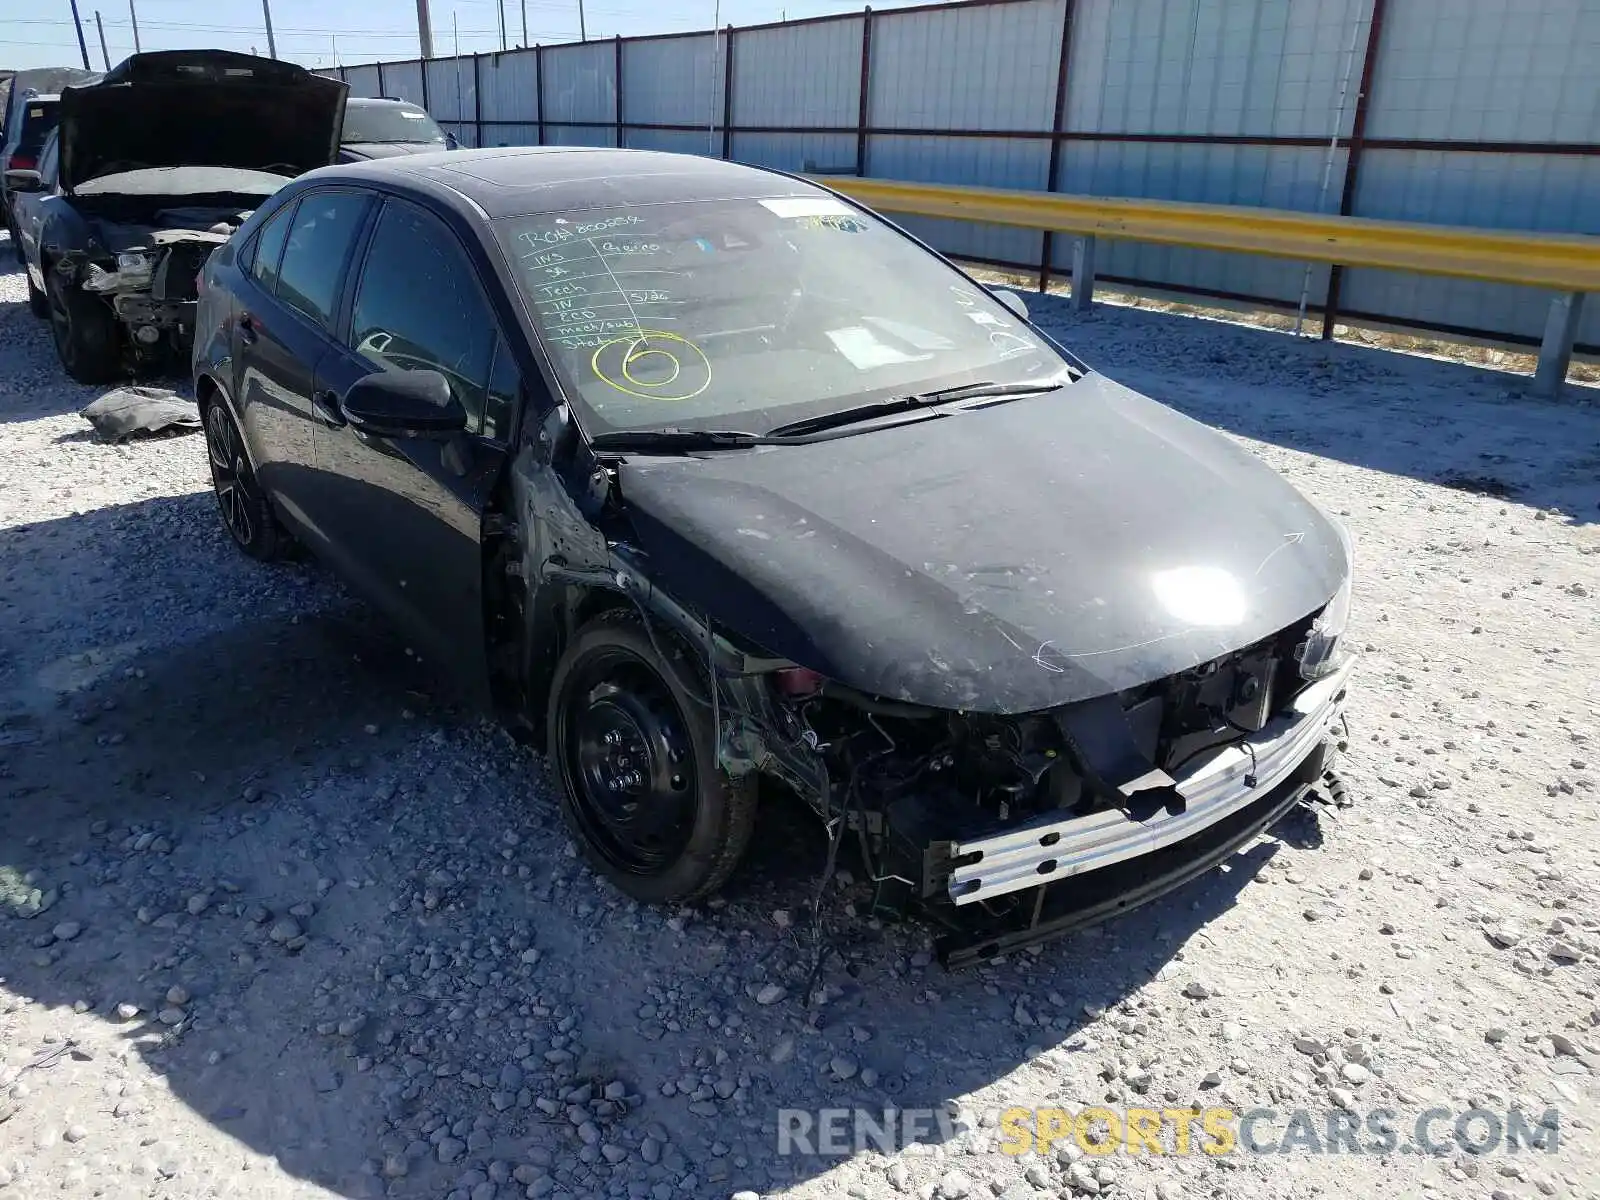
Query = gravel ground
x=278 y=919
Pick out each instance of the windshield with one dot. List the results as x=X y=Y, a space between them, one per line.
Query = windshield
x=390 y=122
x=750 y=314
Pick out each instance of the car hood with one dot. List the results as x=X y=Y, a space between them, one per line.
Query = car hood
x=357 y=151
x=200 y=108
x=1008 y=559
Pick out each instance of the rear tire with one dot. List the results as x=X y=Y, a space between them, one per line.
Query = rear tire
x=246 y=512
x=641 y=790
x=84 y=330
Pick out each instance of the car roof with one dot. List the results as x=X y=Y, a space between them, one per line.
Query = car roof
x=526 y=180
x=363 y=101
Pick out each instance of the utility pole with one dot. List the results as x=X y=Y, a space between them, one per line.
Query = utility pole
x=104 y=57
x=502 y=24
x=524 y=22
x=272 y=43
x=83 y=46
x=134 y=17
x=424 y=30
x=583 y=33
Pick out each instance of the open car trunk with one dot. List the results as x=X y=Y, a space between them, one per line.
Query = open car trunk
x=194 y=108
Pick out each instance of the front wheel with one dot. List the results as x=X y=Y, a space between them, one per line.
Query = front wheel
x=642 y=792
x=84 y=330
x=38 y=302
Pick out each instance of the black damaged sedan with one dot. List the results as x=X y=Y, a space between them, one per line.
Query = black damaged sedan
x=718 y=484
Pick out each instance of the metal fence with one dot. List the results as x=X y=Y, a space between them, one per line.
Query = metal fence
x=1466 y=112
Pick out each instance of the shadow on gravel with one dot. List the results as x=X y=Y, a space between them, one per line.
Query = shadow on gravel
x=351 y=936
x=1449 y=423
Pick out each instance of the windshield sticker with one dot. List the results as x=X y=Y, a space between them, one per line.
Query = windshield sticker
x=922 y=339
x=806 y=206
x=836 y=223
x=865 y=352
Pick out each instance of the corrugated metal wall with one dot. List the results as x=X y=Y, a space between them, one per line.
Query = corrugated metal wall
x=1496 y=70
x=1475 y=112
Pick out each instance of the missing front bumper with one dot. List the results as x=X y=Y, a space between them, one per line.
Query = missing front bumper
x=1055 y=909
x=1228 y=781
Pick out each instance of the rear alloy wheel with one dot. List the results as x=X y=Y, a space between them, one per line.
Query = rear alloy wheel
x=84 y=330
x=246 y=511
x=641 y=789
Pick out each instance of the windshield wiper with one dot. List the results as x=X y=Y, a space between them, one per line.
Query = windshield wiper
x=644 y=440
x=900 y=404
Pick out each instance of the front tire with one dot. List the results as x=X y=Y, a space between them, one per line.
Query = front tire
x=38 y=302
x=84 y=330
x=641 y=790
x=246 y=512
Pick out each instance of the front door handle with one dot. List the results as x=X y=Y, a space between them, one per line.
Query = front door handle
x=327 y=405
x=247 y=329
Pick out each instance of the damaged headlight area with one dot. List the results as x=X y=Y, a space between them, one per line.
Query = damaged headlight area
x=152 y=289
x=1008 y=830
x=1324 y=652
x=133 y=268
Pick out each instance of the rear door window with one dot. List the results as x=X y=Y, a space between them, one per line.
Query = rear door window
x=320 y=238
x=267 y=251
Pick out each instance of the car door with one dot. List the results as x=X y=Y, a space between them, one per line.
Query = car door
x=288 y=297
x=404 y=515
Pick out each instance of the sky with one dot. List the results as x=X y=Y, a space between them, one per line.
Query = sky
x=39 y=33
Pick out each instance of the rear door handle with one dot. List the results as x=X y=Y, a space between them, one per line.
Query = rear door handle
x=327 y=405
x=247 y=329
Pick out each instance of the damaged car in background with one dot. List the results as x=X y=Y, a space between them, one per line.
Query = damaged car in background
x=720 y=486
x=149 y=170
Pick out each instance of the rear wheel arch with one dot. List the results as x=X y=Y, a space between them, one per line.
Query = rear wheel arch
x=208 y=391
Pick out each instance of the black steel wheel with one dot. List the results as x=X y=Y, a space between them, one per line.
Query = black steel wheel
x=640 y=788
x=84 y=330
x=245 y=509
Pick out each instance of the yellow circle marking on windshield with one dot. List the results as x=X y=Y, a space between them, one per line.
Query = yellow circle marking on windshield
x=634 y=356
x=681 y=352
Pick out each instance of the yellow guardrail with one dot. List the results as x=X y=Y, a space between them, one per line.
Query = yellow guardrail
x=1560 y=262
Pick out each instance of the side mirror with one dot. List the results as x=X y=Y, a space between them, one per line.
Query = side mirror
x=23 y=180
x=403 y=404
x=450 y=142
x=1011 y=300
